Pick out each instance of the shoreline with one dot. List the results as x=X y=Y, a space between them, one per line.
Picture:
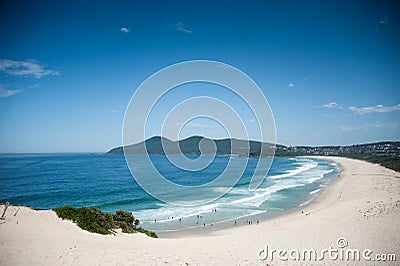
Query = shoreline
x=292 y=212
x=261 y=217
x=362 y=206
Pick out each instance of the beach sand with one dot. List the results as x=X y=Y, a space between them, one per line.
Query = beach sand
x=362 y=207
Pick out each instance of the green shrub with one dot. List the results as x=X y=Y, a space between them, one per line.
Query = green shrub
x=67 y=212
x=147 y=232
x=95 y=221
x=89 y=219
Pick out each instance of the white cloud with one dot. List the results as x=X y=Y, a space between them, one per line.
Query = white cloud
x=26 y=68
x=291 y=85
x=181 y=27
x=125 y=30
x=333 y=105
x=384 y=20
x=307 y=78
x=7 y=93
x=374 y=109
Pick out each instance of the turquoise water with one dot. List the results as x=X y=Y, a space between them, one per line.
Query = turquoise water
x=46 y=181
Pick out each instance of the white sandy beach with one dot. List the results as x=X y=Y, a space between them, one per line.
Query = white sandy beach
x=362 y=206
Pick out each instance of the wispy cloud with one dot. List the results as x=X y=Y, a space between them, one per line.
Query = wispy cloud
x=374 y=109
x=381 y=22
x=291 y=85
x=26 y=68
x=125 y=30
x=34 y=86
x=307 y=78
x=333 y=105
x=4 y=93
x=181 y=27
x=367 y=126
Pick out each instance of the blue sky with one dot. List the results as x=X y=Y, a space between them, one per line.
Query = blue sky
x=329 y=69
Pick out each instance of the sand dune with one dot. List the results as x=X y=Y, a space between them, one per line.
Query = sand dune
x=362 y=208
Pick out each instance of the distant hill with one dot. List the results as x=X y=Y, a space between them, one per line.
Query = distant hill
x=385 y=153
x=191 y=146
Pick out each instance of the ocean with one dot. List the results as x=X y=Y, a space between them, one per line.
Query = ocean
x=46 y=181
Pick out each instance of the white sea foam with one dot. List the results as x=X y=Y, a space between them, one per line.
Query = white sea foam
x=305 y=203
x=239 y=202
x=304 y=174
x=314 y=191
x=262 y=194
x=307 y=165
x=170 y=213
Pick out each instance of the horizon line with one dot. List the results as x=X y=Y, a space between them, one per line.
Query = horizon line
x=154 y=136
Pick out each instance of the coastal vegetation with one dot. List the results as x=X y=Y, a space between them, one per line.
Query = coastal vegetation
x=96 y=221
x=386 y=153
x=391 y=162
